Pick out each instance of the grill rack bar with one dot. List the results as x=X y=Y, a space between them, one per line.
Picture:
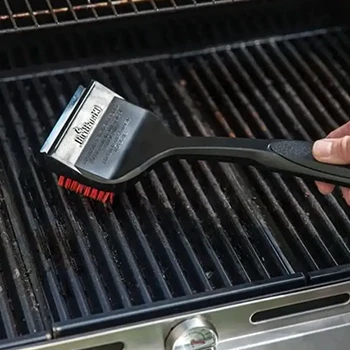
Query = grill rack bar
x=32 y=15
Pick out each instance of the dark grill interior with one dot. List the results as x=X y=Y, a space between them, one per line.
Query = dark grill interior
x=191 y=234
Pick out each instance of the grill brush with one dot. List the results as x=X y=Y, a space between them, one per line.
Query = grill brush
x=101 y=143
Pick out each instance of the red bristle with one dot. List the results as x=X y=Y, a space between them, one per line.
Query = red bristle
x=105 y=197
x=61 y=181
x=80 y=188
x=93 y=193
x=67 y=183
x=86 y=191
x=74 y=185
x=100 y=195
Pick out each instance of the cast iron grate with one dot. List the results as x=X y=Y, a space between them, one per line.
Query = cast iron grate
x=20 y=15
x=188 y=228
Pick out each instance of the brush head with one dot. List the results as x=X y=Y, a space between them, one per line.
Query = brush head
x=103 y=142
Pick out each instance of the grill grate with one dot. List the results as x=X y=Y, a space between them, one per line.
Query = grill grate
x=30 y=14
x=188 y=228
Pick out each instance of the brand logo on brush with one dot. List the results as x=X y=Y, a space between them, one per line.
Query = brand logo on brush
x=84 y=130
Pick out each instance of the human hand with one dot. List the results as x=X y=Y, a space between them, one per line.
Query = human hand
x=334 y=149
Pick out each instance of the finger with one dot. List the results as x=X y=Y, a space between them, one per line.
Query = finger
x=346 y=194
x=324 y=188
x=333 y=151
x=340 y=132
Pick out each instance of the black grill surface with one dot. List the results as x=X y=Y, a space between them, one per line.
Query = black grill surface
x=191 y=233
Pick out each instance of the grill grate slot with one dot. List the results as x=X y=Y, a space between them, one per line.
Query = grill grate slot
x=190 y=228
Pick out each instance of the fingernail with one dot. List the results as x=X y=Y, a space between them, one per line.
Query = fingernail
x=325 y=190
x=322 y=149
x=346 y=195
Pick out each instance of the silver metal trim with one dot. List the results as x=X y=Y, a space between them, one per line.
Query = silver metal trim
x=97 y=92
x=62 y=120
x=233 y=325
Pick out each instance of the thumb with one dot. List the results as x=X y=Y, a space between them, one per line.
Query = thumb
x=332 y=151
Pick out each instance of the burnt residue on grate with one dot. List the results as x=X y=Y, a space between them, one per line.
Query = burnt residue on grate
x=24 y=316
x=189 y=227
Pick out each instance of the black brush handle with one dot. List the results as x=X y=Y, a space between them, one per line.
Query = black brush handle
x=285 y=156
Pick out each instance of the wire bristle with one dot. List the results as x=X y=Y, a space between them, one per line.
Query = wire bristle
x=86 y=191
